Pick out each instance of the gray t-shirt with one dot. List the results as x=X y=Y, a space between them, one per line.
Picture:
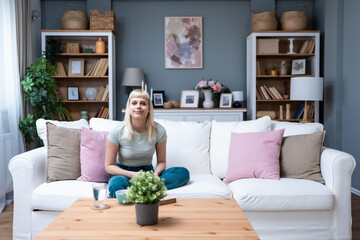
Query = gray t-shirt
x=138 y=151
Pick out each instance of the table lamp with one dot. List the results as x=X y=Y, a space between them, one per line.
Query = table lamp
x=238 y=97
x=306 y=89
x=133 y=77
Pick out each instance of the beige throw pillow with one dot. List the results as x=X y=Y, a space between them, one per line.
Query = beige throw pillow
x=63 y=160
x=300 y=156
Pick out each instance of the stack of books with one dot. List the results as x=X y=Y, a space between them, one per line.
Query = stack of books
x=264 y=92
x=103 y=94
x=99 y=68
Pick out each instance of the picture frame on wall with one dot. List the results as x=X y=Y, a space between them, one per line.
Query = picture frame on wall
x=72 y=93
x=225 y=100
x=189 y=99
x=183 y=42
x=298 y=67
x=76 y=66
x=158 y=99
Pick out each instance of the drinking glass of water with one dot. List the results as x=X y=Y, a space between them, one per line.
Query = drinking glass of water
x=99 y=195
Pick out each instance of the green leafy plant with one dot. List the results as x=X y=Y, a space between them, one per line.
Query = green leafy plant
x=146 y=188
x=53 y=48
x=41 y=93
x=273 y=67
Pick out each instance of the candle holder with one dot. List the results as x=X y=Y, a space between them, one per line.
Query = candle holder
x=291 y=47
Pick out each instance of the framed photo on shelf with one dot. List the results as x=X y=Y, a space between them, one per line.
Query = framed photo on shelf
x=158 y=99
x=225 y=100
x=72 y=93
x=189 y=99
x=298 y=67
x=76 y=66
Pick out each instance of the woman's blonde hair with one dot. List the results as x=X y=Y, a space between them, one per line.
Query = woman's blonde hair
x=150 y=125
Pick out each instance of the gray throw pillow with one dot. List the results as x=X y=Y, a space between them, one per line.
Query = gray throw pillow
x=300 y=156
x=63 y=160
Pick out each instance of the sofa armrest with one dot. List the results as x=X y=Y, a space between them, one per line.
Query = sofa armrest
x=28 y=170
x=336 y=169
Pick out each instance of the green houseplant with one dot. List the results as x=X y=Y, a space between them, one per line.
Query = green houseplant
x=146 y=191
x=41 y=93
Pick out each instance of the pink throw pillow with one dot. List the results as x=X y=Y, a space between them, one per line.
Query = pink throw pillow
x=92 y=156
x=254 y=155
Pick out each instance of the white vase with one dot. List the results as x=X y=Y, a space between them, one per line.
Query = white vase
x=91 y=93
x=208 y=103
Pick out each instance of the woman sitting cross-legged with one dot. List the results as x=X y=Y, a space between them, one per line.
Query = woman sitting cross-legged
x=136 y=140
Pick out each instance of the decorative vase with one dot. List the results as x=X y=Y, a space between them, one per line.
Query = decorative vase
x=147 y=214
x=273 y=72
x=91 y=93
x=100 y=46
x=84 y=115
x=283 y=70
x=208 y=103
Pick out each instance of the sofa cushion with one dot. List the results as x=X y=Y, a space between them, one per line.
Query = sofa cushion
x=220 y=140
x=58 y=196
x=63 y=157
x=92 y=156
x=300 y=156
x=254 y=155
x=292 y=128
x=187 y=145
x=41 y=126
x=105 y=125
x=281 y=195
x=202 y=186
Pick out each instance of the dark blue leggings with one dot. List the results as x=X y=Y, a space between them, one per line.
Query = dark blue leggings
x=174 y=177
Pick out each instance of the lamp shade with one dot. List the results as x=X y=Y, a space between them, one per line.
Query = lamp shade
x=306 y=88
x=238 y=96
x=133 y=77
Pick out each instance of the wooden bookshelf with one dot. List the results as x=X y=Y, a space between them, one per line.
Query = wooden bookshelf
x=106 y=71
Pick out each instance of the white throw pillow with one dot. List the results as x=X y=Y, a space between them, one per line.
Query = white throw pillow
x=292 y=128
x=42 y=132
x=187 y=145
x=104 y=125
x=220 y=140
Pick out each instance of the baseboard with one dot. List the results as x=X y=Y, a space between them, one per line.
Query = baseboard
x=355 y=191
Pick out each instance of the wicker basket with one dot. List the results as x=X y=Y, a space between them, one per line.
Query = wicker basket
x=74 y=20
x=265 y=21
x=104 y=21
x=294 y=20
x=73 y=47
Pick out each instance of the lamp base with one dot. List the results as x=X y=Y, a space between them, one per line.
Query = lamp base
x=237 y=104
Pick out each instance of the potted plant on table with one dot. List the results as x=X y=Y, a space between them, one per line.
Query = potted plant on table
x=210 y=87
x=146 y=191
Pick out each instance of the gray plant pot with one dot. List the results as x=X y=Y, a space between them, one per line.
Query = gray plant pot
x=147 y=214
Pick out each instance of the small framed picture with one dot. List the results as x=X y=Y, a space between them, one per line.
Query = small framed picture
x=158 y=99
x=189 y=99
x=298 y=66
x=72 y=93
x=76 y=66
x=225 y=100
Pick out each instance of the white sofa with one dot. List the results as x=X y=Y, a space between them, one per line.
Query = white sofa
x=277 y=209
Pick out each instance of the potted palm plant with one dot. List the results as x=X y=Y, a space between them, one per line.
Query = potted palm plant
x=146 y=191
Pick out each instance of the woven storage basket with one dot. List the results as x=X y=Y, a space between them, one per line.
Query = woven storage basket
x=294 y=20
x=100 y=21
x=74 y=20
x=265 y=21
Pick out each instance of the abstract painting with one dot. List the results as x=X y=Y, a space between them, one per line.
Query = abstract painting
x=183 y=42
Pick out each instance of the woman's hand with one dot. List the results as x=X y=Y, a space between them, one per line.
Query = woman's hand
x=161 y=158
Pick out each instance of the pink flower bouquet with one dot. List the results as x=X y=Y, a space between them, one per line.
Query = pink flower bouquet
x=214 y=86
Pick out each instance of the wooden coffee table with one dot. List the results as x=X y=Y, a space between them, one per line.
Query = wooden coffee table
x=213 y=218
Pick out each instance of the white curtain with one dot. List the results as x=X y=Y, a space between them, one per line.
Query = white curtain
x=11 y=142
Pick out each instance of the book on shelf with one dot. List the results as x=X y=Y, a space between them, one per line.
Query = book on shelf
x=304 y=46
x=60 y=70
x=98 y=112
x=100 y=93
x=258 y=95
x=272 y=90
x=92 y=68
x=104 y=67
x=106 y=92
x=259 y=68
x=266 y=95
x=277 y=93
x=299 y=112
x=269 y=93
x=311 y=47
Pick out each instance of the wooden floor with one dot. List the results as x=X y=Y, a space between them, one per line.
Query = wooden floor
x=6 y=220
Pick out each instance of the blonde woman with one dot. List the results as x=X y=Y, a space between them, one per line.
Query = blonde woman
x=135 y=141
